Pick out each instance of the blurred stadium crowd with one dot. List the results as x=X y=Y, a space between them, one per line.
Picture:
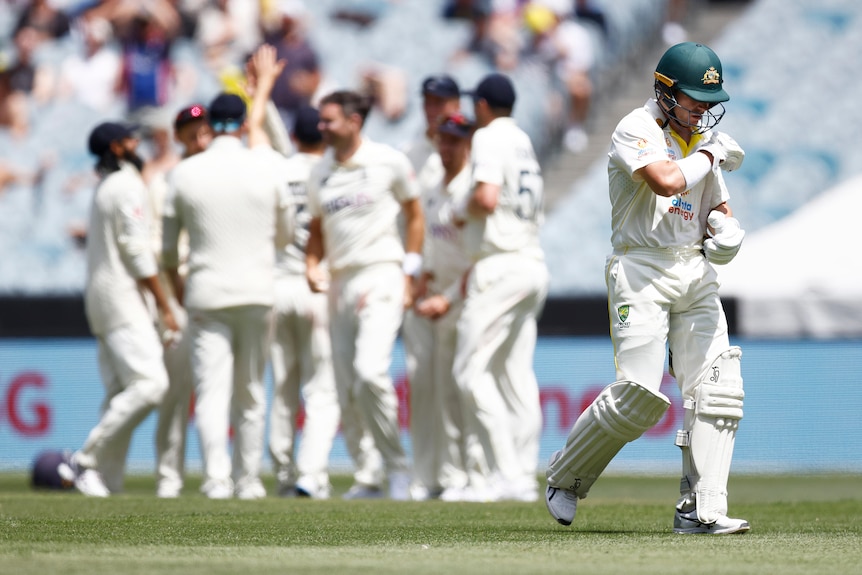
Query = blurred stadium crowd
x=65 y=65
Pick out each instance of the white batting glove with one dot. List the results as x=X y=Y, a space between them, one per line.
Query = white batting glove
x=725 y=240
x=725 y=151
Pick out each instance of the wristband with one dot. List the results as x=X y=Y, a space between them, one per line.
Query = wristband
x=694 y=168
x=412 y=264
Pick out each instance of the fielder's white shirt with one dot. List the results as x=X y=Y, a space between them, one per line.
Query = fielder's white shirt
x=296 y=170
x=229 y=199
x=640 y=217
x=118 y=252
x=443 y=247
x=503 y=155
x=358 y=202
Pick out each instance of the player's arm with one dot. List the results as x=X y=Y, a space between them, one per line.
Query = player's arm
x=154 y=286
x=414 y=221
x=262 y=71
x=314 y=252
x=483 y=201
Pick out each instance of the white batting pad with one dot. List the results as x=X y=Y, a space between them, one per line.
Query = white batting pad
x=707 y=440
x=622 y=412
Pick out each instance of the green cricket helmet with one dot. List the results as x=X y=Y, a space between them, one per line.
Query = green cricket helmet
x=694 y=70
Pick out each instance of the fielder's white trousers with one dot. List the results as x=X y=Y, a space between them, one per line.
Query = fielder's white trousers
x=229 y=349
x=135 y=380
x=436 y=407
x=366 y=309
x=173 y=421
x=302 y=361
x=673 y=302
x=494 y=364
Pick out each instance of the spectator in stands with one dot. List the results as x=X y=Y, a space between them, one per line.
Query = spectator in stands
x=44 y=19
x=226 y=31
x=301 y=76
x=91 y=77
x=146 y=34
x=567 y=48
x=673 y=31
x=25 y=75
x=495 y=29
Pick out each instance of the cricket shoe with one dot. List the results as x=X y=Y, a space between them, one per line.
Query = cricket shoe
x=168 y=490
x=562 y=503
x=87 y=480
x=308 y=487
x=360 y=491
x=251 y=490
x=689 y=523
x=218 y=489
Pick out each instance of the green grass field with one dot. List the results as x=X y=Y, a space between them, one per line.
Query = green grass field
x=800 y=525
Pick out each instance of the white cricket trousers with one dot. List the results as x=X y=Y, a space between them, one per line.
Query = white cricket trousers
x=229 y=350
x=173 y=420
x=436 y=408
x=302 y=362
x=366 y=309
x=672 y=302
x=133 y=374
x=494 y=364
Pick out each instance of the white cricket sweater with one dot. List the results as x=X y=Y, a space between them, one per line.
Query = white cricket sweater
x=229 y=200
x=118 y=253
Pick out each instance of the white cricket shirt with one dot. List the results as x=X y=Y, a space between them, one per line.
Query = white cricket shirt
x=229 y=199
x=295 y=171
x=639 y=217
x=443 y=248
x=118 y=252
x=358 y=202
x=503 y=155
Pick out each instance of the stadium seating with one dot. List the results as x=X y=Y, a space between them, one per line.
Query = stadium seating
x=785 y=109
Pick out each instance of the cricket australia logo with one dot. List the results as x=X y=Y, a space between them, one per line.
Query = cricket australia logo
x=623 y=314
x=711 y=76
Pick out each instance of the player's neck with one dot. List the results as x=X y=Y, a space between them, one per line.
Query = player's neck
x=346 y=151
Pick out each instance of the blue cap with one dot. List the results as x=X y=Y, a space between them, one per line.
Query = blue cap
x=226 y=109
x=105 y=134
x=497 y=90
x=443 y=86
x=305 y=125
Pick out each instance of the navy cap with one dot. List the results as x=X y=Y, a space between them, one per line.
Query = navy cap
x=190 y=114
x=497 y=90
x=443 y=86
x=456 y=125
x=52 y=469
x=227 y=108
x=105 y=134
x=305 y=125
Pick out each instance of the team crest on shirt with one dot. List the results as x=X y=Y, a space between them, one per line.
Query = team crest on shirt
x=623 y=314
x=711 y=76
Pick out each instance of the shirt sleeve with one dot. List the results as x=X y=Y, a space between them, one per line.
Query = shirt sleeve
x=133 y=232
x=313 y=197
x=635 y=144
x=487 y=159
x=405 y=186
x=171 y=226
